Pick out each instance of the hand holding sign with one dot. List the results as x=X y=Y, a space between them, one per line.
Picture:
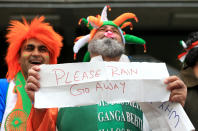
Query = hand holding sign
x=178 y=89
x=32 y=83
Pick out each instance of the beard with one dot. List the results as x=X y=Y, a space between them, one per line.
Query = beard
x=106 y=47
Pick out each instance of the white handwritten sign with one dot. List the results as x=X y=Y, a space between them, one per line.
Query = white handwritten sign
x=88 y=83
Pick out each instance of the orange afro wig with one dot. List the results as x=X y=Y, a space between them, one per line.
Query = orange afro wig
x=19 y=32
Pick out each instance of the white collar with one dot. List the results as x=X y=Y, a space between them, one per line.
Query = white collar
x=123 y=58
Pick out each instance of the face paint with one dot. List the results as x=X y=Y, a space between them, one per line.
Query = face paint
x=46 y=56
x=25 y=54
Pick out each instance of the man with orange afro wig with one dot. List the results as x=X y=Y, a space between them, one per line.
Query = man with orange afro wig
x=30 y=44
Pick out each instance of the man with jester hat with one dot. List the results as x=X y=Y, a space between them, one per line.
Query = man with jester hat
x=189 y=74
x=30 y=44
x=106 y=42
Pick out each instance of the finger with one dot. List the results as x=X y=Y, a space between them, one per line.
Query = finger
x=182 y=93
x=30 y=87
x=30 y=90
x=170 y=79
x=175 y=85
x=36 y=67
x=178 y=98
x=175 y=92
x=179 y=91
x=33 y=80
x=34 y=73
x=31 y=96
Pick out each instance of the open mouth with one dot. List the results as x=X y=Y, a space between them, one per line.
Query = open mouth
x=36 y=62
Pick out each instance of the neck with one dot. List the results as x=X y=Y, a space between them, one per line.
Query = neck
x=111 y=59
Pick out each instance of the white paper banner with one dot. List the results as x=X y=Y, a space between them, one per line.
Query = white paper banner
x=77 y=84
x=88 y=83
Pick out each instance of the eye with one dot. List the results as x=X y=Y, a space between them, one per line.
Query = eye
x=29 y=48
x=43 y=49
x=101 y=29
x=115 y=31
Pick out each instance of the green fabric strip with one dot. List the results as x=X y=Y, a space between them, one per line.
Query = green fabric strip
x=20 y=86
x=109 y=23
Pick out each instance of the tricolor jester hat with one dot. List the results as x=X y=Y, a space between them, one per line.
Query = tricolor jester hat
x=94 y=23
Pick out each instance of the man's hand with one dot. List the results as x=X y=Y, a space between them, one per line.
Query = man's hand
x=178 y=89
x=32 y=83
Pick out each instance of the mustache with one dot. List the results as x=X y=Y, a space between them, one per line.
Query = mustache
x=106 y=47
x=36 y=58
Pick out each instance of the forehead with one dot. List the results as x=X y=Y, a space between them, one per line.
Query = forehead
x=34 y=42
x=109 y=26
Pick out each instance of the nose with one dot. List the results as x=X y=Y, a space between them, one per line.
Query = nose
x=109 y=34
x=35 y=52
x=108 y=29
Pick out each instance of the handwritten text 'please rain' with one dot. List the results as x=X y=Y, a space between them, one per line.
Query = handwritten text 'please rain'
x=78 y=76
